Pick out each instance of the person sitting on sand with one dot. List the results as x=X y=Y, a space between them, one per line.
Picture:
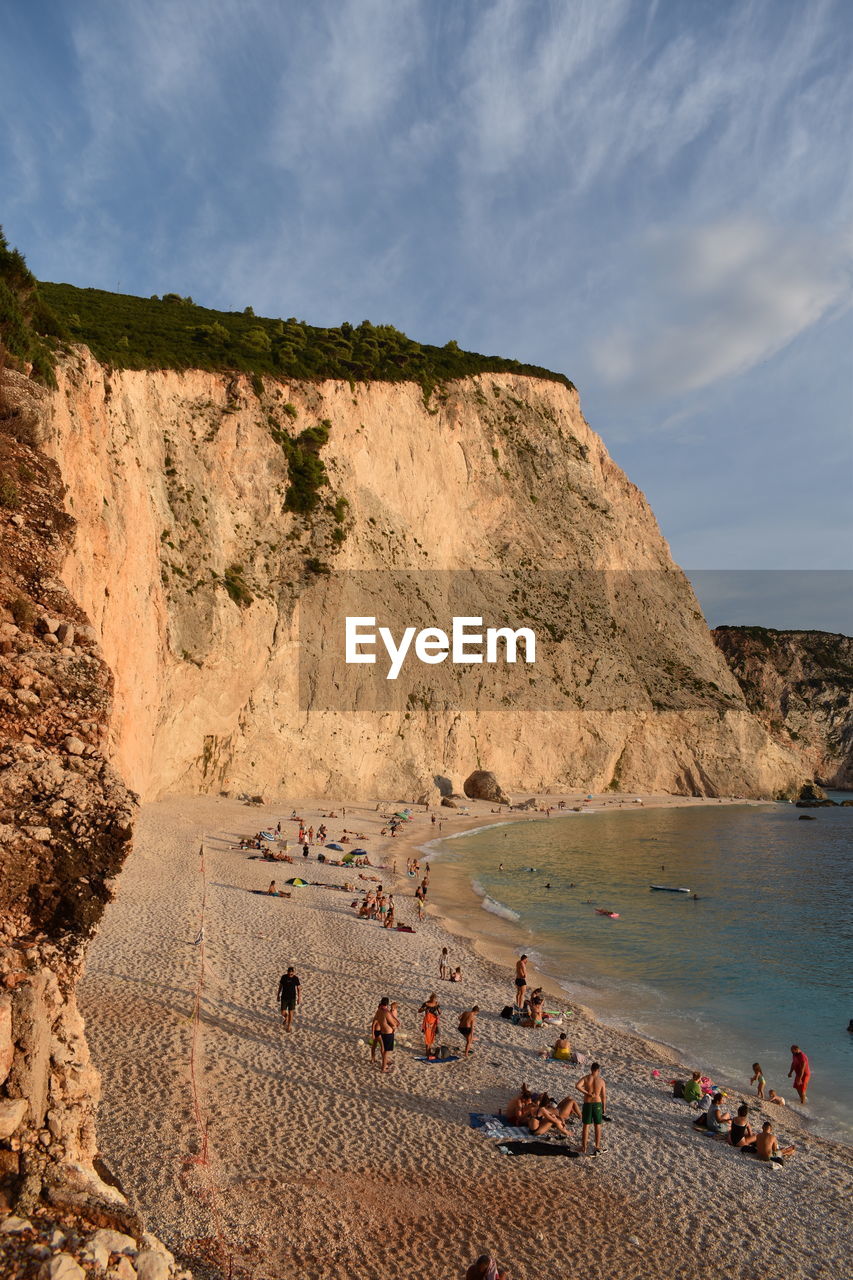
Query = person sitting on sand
x=485 y=1268
x=544 y=1117
x=767 y=1147
x=561 y=1049
x=467 y=1023
x=519 y=1107
x=718 y=1120
x=740 y=1134
x=692 y=1090
x=456 y=975
x=532 y=1010
x=773 y=1096
x=272 y=889
x=568 y=1109
x=430 y=1024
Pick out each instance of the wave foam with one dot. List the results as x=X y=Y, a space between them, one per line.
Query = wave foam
x=492 y=905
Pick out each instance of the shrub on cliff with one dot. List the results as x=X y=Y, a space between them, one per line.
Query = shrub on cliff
x=26 y=321
x=307 y=469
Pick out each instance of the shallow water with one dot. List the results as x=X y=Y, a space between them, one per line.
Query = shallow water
x=761 y=961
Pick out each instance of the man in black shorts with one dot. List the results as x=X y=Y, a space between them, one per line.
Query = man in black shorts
x=520 y=981
x=289 y=996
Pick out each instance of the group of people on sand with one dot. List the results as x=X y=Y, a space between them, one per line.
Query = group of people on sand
x=541 y=1113
x=737 y=1129
x=386 y=1022
x=739 y=1133
x=431 y=1027
x=377 y=905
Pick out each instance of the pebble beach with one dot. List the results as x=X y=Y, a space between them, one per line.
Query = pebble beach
x=273 y=1156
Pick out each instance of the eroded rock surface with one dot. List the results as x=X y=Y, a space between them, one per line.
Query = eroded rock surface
x=800 y=685
x=66 y=821
x=187 y=557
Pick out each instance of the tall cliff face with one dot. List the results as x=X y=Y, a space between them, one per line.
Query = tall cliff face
x=65 y=824
x=195 y=575
x=799 y=684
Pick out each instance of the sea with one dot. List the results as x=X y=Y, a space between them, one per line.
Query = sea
x=759 y=960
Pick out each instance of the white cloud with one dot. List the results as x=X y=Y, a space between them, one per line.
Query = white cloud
x=714 y=301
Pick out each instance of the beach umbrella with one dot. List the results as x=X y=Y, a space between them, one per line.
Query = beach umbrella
x=334 y=846
x=348 y=858
x=299 y=883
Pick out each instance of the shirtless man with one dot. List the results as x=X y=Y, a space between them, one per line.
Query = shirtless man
x=767 y=1146
x=520 y=981
x=467 y=1023
x=594 y=1093
x=386 y=1023
x=801 y=1071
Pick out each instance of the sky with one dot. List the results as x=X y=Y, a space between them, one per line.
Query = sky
x=655 y=198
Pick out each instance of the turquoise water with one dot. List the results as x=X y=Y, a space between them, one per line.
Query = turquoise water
x=761 y=961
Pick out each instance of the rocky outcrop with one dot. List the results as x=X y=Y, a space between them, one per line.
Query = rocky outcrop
x=799 y=684
x=483 y=785
x=202 y=581
x=66 y=821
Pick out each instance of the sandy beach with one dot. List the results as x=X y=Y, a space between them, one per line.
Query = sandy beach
x=283 y=1156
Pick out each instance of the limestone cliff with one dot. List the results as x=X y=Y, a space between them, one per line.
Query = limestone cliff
x=65 y=826
x=195 y=574
x=799 y=684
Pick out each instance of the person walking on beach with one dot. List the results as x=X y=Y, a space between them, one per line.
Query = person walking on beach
x=386 y=1023
x=443 y=963
x=801 y=1071
x=289 y=996
x=467 y=1023
x=757 y=1077
x=520 y=981
x=594 y=1092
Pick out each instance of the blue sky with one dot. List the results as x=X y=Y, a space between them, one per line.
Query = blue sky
x=655 y=198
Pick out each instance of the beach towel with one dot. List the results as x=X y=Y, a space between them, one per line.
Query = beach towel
x=496 y=1127
x=536 y=1148
x=431 y=1060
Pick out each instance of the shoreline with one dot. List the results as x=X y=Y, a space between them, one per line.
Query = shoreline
x=313 y=1156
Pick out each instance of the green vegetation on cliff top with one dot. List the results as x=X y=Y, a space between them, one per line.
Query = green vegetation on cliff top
x=27 y=323
x=174 y=333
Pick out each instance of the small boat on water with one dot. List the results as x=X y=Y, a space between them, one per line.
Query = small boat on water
x=668 y=888
x=600 y=911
